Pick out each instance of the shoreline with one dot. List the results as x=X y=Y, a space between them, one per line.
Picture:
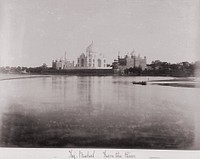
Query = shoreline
x=187 y=82
x=25 y=77
x=185 y=85
x=96 y=74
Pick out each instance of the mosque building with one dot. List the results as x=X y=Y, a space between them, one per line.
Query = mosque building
x=62 y=64
x=131 y=61
x=92 y=59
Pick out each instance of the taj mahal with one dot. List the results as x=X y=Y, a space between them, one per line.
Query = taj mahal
x=93 y=59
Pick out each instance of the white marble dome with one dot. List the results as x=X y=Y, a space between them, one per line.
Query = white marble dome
x=91 y=49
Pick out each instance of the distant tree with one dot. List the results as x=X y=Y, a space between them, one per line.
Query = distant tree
x=131 y=70
x=126 y=71
x=44 y=65
x=197 y=65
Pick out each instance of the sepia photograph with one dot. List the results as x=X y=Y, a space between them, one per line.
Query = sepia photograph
x=100 y=74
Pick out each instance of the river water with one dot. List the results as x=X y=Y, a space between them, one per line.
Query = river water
x=92 y=111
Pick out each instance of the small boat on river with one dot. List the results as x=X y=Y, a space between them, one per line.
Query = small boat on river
x=140 y=83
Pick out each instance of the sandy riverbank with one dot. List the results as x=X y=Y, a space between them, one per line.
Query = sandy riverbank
x=177 y=82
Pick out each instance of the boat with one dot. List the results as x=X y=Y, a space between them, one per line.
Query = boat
x=140 y=83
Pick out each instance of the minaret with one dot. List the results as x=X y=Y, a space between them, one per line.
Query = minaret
x=65 y=56
x=132 y=53
x=118 y=54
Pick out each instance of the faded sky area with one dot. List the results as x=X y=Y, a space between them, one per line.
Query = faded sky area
x=33 y=32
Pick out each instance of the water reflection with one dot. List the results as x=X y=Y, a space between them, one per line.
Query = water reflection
x=71 y=111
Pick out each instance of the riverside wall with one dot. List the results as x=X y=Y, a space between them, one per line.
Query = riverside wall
x=95 y=72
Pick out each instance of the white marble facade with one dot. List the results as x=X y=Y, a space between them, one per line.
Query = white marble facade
x=92 y=58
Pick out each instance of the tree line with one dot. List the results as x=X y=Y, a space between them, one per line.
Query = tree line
x=159 y=68
x=19 y=69
x=156 y=68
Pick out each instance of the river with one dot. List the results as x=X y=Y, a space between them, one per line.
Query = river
x=97 y=111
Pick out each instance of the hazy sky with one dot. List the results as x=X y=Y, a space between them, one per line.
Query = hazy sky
x=33 y=32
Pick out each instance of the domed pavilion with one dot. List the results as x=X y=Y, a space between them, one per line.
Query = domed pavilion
x=92 y=58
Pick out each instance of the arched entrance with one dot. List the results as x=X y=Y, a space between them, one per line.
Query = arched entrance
x=99 y=63
x=82 y=62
